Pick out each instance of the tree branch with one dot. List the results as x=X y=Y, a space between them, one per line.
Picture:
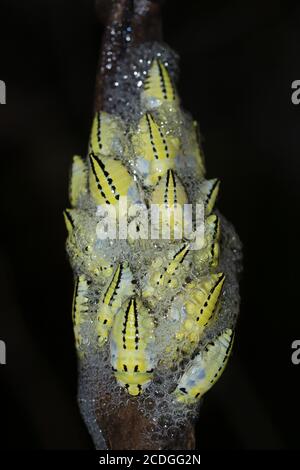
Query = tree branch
x=128 y=428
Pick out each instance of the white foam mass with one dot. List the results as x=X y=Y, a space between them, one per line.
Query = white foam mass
x=96 y=259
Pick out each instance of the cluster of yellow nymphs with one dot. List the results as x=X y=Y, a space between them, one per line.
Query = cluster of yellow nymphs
x=124 y=298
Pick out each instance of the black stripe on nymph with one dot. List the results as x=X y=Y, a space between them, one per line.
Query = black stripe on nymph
x=117 y=283
x=208 y=197
x=69 y=217
x=179 y=253
x=92 y=157
x=162 y=80
x=75 y=298
x=154 y=149
x=125 y=322
x=136 y=324
x=99 y=130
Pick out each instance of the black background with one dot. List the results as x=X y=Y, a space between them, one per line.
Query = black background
x=238 y=60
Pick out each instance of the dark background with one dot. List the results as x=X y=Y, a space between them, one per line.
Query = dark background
x=238 y=60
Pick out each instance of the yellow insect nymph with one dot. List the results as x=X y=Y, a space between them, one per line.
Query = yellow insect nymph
x=118 y=288
x=78 y=182
x=209 y=190
x=195 y=309
x=165 y=276
x=107 y=135
x=158 y=86
x=109 y=180
x=130 y=346
x=170 y=197
x=79 y=308
x=209 y=253
x=155 y=150
x=205 y=369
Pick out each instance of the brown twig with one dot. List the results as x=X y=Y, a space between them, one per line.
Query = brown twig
x=128 y=428
x=141 y=17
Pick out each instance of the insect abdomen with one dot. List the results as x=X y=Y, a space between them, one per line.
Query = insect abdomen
x=109 y=180
x=205 y=369
x=167 y=276
x=200 y=302
x=131 y=338
x=158 y=83
x=79 y=307
x=119 y=287
x=106 y=135
x=155 y=150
